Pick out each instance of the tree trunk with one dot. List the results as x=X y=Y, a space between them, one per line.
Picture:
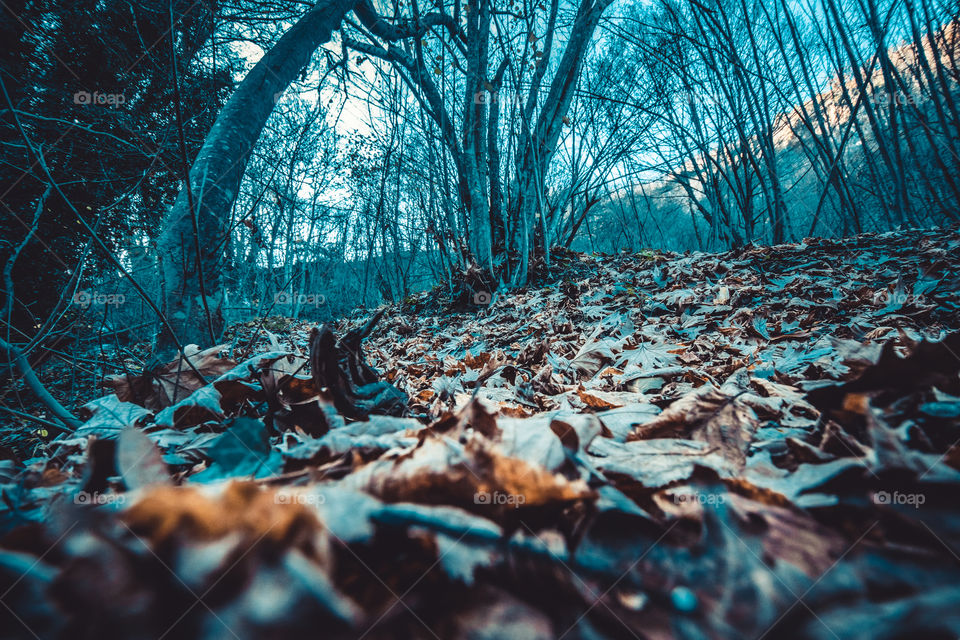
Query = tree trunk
x=198 y=223
x=539 y=145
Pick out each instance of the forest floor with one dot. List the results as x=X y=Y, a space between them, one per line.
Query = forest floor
x=759 y=442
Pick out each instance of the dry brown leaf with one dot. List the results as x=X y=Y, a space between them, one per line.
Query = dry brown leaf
x=465 y=483
x=256 y=514
x=594 y=355
x=710 y=416
x=172 y=382
x=596 y=399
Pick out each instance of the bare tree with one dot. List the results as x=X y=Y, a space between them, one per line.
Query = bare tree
x=190 y=246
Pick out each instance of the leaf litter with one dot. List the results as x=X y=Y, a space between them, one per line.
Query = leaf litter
x=657 y=445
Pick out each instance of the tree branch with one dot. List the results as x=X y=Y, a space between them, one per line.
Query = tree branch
x=30 y=377
x=410 y=28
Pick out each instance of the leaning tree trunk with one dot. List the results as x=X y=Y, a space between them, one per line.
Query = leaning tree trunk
x=198 y=223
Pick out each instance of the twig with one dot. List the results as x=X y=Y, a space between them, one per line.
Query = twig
x=93 y=234
x=58 y=410
x=186 y=179
x=27 y=416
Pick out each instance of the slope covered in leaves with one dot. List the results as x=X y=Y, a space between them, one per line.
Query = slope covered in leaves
x=655 y=446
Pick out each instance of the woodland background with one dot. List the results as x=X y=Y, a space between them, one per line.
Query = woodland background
x=495 y=318
x=470 y=137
